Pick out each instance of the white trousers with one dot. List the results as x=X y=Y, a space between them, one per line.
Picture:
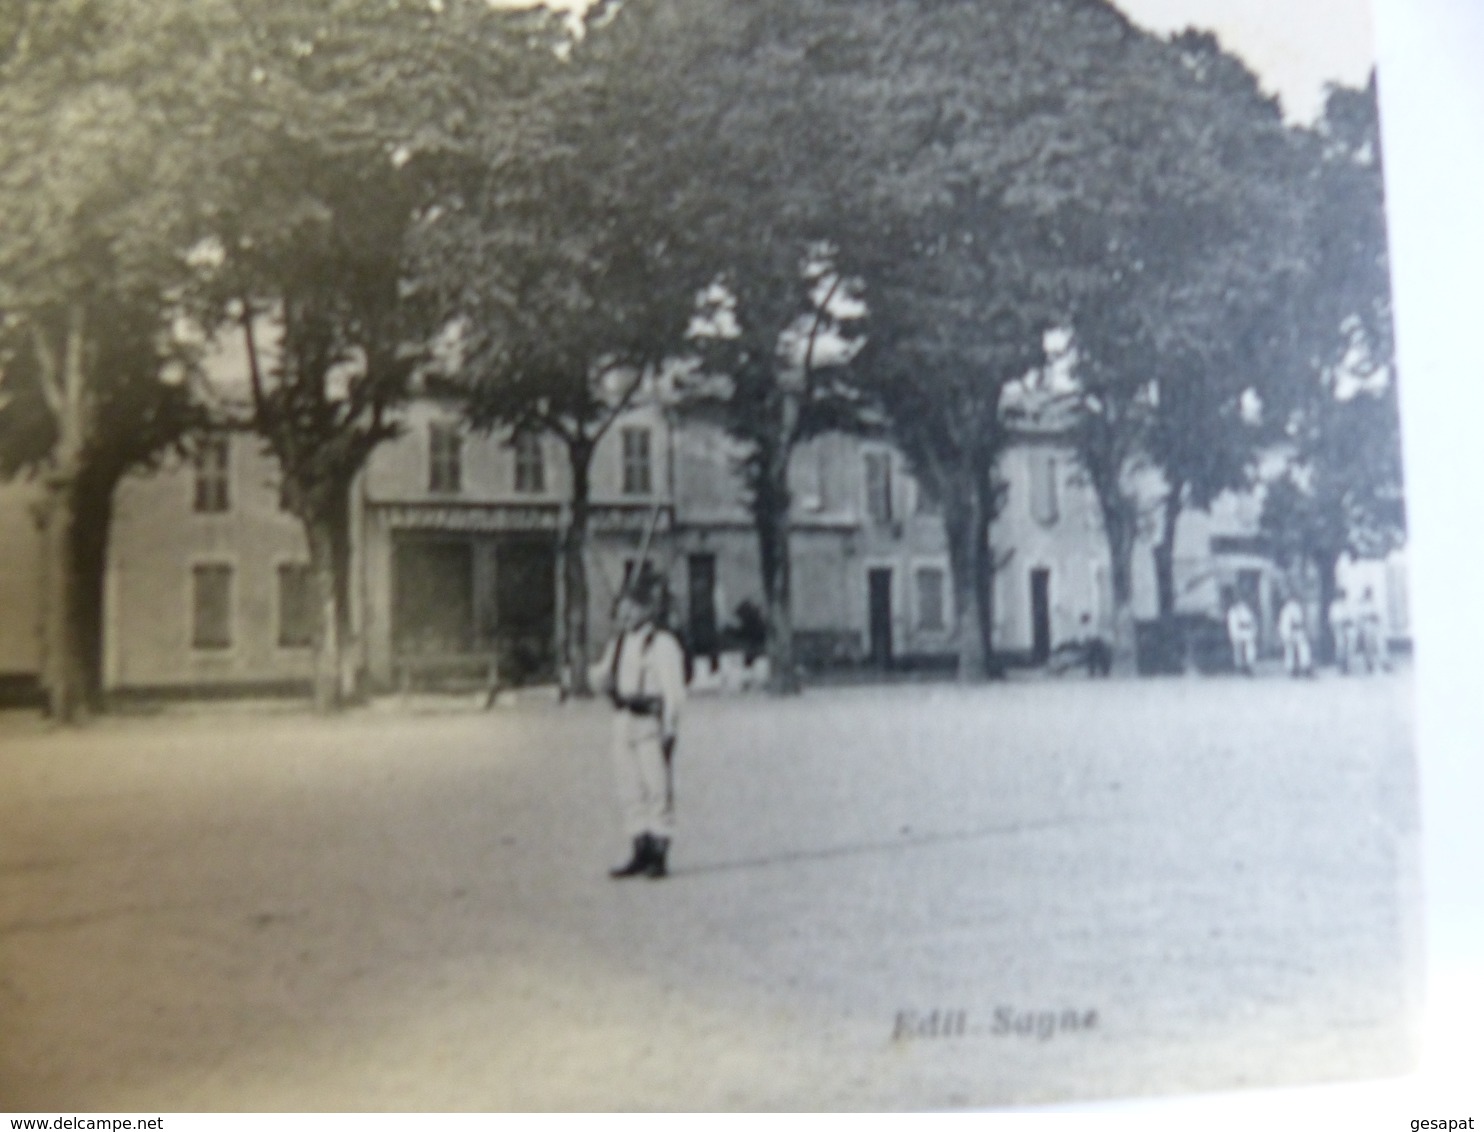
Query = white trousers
x=1296 y=656
x=640 y=775
x=1244 y=653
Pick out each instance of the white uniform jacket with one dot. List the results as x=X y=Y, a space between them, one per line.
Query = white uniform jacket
x=650 y=666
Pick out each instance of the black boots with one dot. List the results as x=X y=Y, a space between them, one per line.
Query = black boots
x=658 y=847
x=639 y=862
x=648 y=859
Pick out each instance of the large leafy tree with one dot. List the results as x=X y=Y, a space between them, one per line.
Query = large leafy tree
x=689 y=153
x=777 y=172
x=1205 y=435
x=98 y=166
x=1172 y=312
x=983 y=205
x=791 y=328
x=954 y=326
x=562 y=259
x=344 y=122
x=1341 y=488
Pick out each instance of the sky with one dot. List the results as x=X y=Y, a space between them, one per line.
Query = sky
x=1294 y=46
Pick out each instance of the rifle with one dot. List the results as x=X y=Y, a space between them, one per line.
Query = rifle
x=644 y=541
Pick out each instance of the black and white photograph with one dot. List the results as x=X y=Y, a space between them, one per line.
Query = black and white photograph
x=657 y=555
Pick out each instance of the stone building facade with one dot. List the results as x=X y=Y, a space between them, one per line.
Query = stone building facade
x=457 y=556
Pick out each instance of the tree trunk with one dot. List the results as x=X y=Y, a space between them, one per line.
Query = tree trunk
x=770 y=513
x=773 y=538
x=574 y=573
x=325 y=514
x=64 y=649
x=1164 y=554
x=327 y=623
x=326 y=520
x=1119 y=524
x=348 y=668
x=1325 y=562
x=92 y=516
x=960 y=527
x=65 y=637
x=985 y=568
x=968 y=510
x=77 y=514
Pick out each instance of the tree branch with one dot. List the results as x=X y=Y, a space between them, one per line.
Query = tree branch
x=819 y=316
x=620 y=407
x=254 y=370
x=51 y=384
x=74 y=380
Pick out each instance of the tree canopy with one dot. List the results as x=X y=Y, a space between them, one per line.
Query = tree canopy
x=532 y=215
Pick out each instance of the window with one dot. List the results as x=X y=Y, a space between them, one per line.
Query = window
x=930 y=608
x=637 y=479
x=445 y=458
x=878 y=487
x=296 y=605
x=1044 y=505
x=530 y=471
x=211 y=606
x=212 y=464
x=812 y=478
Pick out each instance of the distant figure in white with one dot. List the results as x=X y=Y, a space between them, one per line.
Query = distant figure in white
x=1241 y=629
x=645 y=679
x=1342 y=627
x=1372 y=646
x=1293 y=631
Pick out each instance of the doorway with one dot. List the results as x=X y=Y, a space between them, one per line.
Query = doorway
x=522 y=610
x=1040 y=615
x=432 y=597
x=701 y=604
x=879 y=583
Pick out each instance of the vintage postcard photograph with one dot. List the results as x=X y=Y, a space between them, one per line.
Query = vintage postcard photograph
x=698 y=555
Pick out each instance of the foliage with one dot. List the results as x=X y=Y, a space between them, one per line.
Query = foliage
x=335 y=127
x=560 y=260
x=1177 y=310
x=97 y=172
x=769 y=159
x=978 y=213
x=1340 y=490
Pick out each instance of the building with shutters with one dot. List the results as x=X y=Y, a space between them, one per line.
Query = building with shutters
x=457 y=557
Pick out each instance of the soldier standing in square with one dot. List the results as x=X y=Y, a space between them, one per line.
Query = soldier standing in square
x=1293 y=631
x=1241 y=629
x=645 y=667
x=1369 y=634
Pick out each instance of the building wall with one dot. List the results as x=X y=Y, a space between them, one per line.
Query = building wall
x=159 y=536
x=1386 y=578
x=1064 y=538
x=489 y=508
x=846 y=527
x=20 y=581
x=836 y=541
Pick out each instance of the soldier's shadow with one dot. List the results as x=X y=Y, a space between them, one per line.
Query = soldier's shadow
x=905 y=840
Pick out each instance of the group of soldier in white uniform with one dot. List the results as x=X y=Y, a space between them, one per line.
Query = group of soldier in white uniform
x=1355 y=625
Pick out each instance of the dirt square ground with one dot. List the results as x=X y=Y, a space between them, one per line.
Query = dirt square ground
x=906 y=896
